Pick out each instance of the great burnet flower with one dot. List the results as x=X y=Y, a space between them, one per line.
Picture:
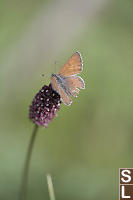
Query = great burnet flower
x=44 y=106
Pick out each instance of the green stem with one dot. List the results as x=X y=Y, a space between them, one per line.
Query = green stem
x=50 y=187
x=24 y=181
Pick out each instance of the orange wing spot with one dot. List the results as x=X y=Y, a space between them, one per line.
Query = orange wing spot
x=76 y=90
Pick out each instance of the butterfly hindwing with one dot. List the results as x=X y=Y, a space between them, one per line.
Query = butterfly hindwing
x=65 y=97
x=73 y=83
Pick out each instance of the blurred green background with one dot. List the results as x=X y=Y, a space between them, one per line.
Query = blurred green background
x=88 y=142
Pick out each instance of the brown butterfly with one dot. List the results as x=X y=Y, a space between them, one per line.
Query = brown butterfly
x=66 y=82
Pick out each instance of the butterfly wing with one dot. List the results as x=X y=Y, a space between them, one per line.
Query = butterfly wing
x=73 y=83
x=66 y=83
x=64 y=96
x=54 y=84
x=73 y=66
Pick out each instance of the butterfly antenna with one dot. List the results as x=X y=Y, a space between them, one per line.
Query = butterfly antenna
x=55 y=66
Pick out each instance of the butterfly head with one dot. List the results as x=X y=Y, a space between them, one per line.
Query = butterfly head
x=53 y=75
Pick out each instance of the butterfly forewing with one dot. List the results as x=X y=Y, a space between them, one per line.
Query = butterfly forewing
x=54 y=84
x=73 y=66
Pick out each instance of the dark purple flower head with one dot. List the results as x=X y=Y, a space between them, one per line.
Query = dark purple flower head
x=44 y=106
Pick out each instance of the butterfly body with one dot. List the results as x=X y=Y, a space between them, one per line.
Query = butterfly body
x=60 y=80
x=66 y=82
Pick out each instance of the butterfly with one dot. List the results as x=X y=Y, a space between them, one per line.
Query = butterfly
x=66 y=83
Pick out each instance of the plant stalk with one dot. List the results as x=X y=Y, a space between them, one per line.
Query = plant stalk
x=24 y=181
